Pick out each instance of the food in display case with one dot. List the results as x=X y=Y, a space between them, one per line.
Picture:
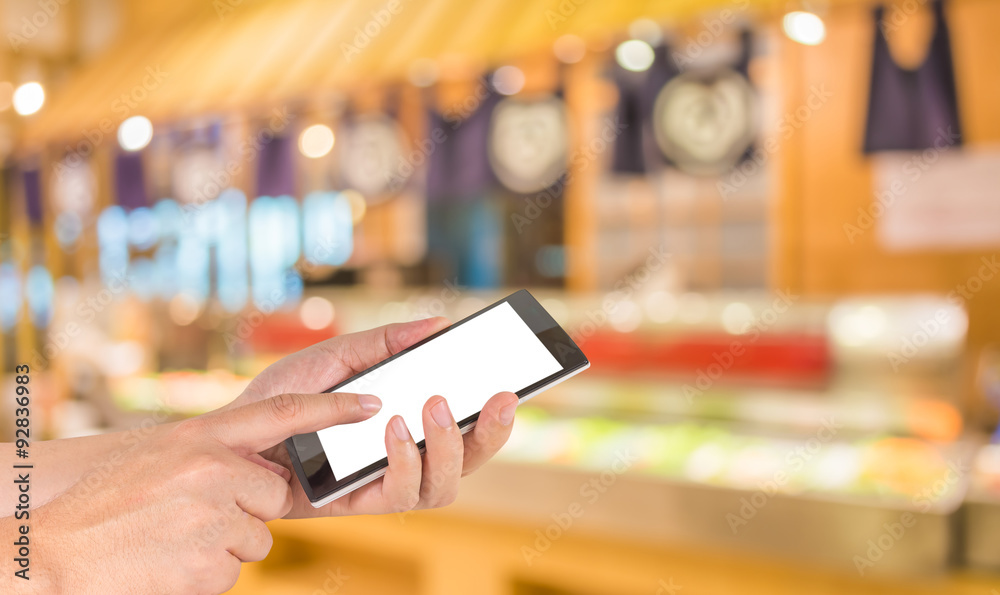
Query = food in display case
x=886 y=469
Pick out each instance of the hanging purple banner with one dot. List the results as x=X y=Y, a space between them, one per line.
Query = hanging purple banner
x=33 y=195
x=130 y=181
x=276 y=168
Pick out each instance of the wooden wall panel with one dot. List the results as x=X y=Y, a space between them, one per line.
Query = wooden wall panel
x=826 y=178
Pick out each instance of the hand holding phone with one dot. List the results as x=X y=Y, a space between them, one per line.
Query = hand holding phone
x=512 y=345
x=429 y=480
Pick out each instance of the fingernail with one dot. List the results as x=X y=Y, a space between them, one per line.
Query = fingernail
x=399 y=429
x=370 y=402
x=507 y=413
x=442 y=415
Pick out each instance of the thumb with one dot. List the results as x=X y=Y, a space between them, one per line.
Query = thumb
x=261 y=425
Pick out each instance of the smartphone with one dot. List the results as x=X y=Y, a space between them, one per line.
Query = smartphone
x=513 y=345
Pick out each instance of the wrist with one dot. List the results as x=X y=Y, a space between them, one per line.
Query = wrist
x=36 y=565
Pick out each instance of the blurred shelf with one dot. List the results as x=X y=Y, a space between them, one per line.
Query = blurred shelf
x=812 y=528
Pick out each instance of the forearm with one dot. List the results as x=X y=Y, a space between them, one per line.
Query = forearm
x=59 y=464
x=56 y=465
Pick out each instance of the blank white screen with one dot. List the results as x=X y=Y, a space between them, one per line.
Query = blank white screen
x=493 y=352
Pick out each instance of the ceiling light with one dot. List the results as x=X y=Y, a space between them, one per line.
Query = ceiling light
x=804 y=27
x=28 y=98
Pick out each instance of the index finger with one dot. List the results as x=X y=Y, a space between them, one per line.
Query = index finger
x=261 y=425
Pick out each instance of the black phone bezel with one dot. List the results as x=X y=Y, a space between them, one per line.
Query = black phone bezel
x=306 y=452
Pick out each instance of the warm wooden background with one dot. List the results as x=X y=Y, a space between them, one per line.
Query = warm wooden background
x=826 y=178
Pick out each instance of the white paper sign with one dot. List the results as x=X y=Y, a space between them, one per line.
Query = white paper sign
x=945 y=199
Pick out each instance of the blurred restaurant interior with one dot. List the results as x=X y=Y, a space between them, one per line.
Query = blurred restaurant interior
x=772 y=226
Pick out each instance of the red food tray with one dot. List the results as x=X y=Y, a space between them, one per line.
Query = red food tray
x=767 y=359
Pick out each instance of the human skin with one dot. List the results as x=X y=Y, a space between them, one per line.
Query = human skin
x=106 y=495
x=311 y=370
x=409 y=483
x=182 y=510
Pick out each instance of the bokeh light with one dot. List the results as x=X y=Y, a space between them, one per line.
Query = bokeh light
x=635 y=55
x=316 y=141
x=184 y=309
x=316 y=313
x=736 y=317
x=569 y=49
x=135 y=133
x=29 y=98
x=508 y=80
x=804 y=27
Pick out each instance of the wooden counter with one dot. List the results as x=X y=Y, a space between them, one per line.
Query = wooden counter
x=444 y=553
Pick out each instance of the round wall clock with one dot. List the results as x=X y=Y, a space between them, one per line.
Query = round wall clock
x=705 y=122
x=528 y=143
x=371 y=154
